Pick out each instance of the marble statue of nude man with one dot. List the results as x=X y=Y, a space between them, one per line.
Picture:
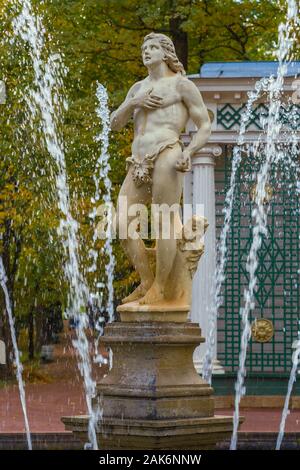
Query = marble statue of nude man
x=160 y=105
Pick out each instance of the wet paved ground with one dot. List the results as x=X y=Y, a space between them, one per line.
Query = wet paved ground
x=46 y=404
x=265 y=420
x=63 y=396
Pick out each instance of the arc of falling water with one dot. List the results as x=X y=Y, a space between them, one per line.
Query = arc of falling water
x=103 y=114
x=222 y=248
x=273 y=126
x=296 y=354
x=19 y=367
x=44 y=97
x=102 y=174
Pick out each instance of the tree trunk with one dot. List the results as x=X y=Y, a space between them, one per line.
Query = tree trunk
x=10 y=272
x=180 y=39
x=31 y=335
x=6 y=335
x=39 y=335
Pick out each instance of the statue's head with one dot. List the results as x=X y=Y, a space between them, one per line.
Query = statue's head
x=161 y=47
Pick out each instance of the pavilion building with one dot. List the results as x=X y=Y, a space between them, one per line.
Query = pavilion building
x=275 y=318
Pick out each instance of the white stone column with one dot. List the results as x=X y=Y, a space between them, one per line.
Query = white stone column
x=203 y=199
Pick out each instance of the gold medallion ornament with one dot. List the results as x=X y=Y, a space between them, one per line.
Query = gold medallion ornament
x=262 y=330
x=268 y=193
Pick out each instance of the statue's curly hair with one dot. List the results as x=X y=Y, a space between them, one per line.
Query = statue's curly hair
x=169 y=49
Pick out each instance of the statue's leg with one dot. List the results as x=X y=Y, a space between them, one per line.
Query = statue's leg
x=167 y=190
x=134 y=247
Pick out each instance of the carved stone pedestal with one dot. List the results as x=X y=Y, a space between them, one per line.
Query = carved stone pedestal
x=153 y=398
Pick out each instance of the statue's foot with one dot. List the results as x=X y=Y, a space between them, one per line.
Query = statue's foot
x=153 y=296
x=138 y=293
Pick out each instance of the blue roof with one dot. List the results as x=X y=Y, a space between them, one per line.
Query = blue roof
x=245 y=69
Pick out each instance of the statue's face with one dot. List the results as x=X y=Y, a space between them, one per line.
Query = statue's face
x=152 y=52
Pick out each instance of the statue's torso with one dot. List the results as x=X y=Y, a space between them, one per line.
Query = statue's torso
x=153 y=127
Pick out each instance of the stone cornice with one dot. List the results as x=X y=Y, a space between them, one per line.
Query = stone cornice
x=226 y=137
x=233 y=90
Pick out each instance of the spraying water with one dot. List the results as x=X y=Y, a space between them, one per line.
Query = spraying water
x=45 y=97
x=219 y=276
x=102 y=175
x=103 y=114
x=296 y=354
x=19 y=367
x=272 y=126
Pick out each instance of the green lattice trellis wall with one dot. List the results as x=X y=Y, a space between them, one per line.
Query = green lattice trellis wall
x=229 y=115
x=277 y=296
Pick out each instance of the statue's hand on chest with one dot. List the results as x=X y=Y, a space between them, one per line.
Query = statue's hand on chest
x=160 y=95
x=148 y=99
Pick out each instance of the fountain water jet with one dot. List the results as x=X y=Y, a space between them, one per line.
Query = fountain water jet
x=222 y=246
x=272 y=88
x=102 y=174
x=103 y=114
x=272 y=126
x=45 y=97
x=18 y=365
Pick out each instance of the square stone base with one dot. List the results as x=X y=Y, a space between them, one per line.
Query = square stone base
x=153 y=398
x=175 y=434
